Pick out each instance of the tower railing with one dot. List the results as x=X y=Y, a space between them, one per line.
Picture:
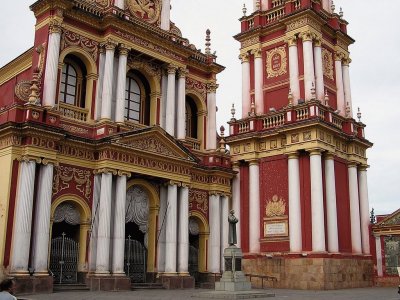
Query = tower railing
x=312 y=110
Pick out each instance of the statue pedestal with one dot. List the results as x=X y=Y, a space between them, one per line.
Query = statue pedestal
x=233 y=279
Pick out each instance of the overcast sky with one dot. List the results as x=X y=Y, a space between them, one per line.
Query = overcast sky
x=375 y=71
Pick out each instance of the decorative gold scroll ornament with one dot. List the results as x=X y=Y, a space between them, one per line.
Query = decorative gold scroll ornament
x=327 y=59
x=275 y=207
x=276 y=62
x=149 y=10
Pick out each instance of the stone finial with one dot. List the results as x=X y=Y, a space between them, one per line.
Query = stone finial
x=341 y=13
x=208 y=42
x=34 y=89
x=326 y=98
x=313 y=95
x=233 y=112
x=333 y=7
x=244 y=10
x=348 y=110
x=252 y=108
x=290 y=97
x=359 y=115
x=222 y=144
x=258 y=5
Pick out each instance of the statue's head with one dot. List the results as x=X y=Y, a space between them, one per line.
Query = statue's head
x=232 y=212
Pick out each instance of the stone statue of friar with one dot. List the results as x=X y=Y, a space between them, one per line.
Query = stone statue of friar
x=232 y=237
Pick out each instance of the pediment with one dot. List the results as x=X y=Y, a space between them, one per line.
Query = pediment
x=391 y=220
x=156 y=141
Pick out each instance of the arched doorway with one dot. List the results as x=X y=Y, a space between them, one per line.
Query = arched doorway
x=70 y=224
x=136 y=233
x=194 y=245
x=64 y=248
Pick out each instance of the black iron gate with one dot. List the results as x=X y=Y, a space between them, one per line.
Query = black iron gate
x=135 y=260
x=64 y=259
x=194 y=262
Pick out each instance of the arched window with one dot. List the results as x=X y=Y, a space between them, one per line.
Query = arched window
x=137 y=98
x=68 y=87
x=132 y=100
x=72 y=89
x=191 y=118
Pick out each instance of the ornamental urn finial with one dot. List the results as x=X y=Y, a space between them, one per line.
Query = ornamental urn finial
x=290 y=97
x=333 y=7
x=208 y=42
x=359 y=115
x=34 y=89
x=341 y=13
x=244 y=10
x=233 y=112
x=326 y=99
x=313 y=95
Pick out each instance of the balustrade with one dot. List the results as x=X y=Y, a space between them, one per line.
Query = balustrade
x=302 y=113
x=273 y=121
x=73 y=112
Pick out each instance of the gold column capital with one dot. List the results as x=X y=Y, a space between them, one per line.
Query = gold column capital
x=293 y=155
x=257 y=52
x=291 y=40
x=244 y=57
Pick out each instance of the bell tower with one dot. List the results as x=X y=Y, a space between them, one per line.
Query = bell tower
x=299 y=154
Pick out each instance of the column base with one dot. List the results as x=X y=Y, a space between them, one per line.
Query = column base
x=33 y=284
x=108 y=283
x=175 y=281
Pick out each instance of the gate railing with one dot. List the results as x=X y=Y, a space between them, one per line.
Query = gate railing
x=135 y=260
x=64 y=259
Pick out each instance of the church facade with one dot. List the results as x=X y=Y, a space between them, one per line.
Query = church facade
x=114 y=174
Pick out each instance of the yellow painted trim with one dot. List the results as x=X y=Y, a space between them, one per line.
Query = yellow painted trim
x=6 y=163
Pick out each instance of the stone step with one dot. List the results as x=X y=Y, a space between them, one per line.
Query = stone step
x=149 y=285
x=70 y=287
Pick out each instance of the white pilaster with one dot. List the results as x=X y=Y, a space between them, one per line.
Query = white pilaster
x=317 y=202
x=347 y=87
x=379 y=259
x=183 y=234
x=164 y=88
x=224 y=228
x=294 y=68
x=354 y=210
x=264 y=5
x=41 y=232
x=121 y=85
x=308 y=58
x=95 y=222
x=107 y=82
x=214 y=242
x=331 y=209
x=161 y=229
x=236 y=200
x=99 y=91
x=245 y=84
x=341 y=105
x=211 y=116
x=181 y=132
x=165 y=14
x=254 y=207
x=170 y=112
x=295 y=232
x=120 y=4
x=23 y=218
x=51 y=73
x=119 y=225
x=258 y=81
x=319 y=70
x=171 y=230
x=364 y=209
x=104 y=230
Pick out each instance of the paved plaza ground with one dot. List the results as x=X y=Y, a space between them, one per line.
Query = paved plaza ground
x=351 y=294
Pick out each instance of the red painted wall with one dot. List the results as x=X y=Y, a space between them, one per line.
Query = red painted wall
x=244 y=210
x=305 y=198
x=11 y=208
x=273 y=181
x=343 y=206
